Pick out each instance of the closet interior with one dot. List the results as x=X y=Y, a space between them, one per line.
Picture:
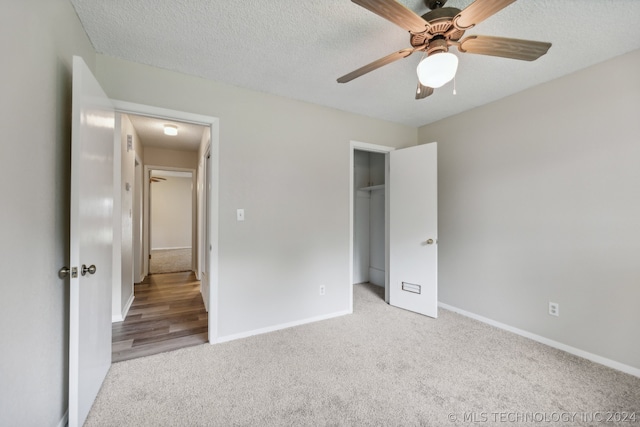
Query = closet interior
x=369 y=218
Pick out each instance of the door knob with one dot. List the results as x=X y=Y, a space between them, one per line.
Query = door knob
x=91 y=269
x=64 y=272
x=430 y=242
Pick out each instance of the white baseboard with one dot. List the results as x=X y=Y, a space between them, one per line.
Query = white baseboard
x=65 y=420
x=127 y=306
x=279 y=327
x=120 y=317
x=171 y=248
x=551 y=343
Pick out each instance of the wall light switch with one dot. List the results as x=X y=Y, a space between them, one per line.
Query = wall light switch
x=240 y=214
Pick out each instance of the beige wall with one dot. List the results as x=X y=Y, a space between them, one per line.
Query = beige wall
x=287 y=164
x=38 y=40
x=539 y=200
x=171 y=213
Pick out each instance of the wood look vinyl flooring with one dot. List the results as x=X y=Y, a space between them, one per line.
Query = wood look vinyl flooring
x=167 y=314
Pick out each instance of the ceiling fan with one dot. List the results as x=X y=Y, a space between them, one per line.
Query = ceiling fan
x=435 y=31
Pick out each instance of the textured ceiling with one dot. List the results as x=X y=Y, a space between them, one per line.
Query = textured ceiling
x=151 y=133
x=299 y=49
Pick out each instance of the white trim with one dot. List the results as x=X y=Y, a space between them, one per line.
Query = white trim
x=139 y=202
x=146 y=222
x=212 y=160
x=373 y=148
x=161 y=113
x=171 y=248
x=551 y=343
x=120 y=317
x=280 y=327
x=64 y=421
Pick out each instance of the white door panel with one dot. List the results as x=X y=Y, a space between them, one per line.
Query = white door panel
x=413 y=229
x=91 y=240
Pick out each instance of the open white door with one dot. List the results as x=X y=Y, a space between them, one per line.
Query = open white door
x=92 y=144
x=413 y=229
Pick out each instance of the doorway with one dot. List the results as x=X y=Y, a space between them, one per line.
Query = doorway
x=410 y=218
x=369 y=209
x=172 y=225
x=207 y=142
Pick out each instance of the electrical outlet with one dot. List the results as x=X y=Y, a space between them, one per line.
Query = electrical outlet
x=322 y=290
x=554 y=309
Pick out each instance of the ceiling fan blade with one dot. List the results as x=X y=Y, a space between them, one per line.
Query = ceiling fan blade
x=423 y=91
x=478 y=11
x=376 y=64
x=395 y=12
x=526 y=50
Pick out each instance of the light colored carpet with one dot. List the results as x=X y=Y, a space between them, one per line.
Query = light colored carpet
x=380 y=366
x=170 y=260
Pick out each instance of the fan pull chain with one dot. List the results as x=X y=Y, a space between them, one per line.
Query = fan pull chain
x=419 y=89
x=454 y=85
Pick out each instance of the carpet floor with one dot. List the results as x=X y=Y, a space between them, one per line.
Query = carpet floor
x=170 y=260
x=380 y=366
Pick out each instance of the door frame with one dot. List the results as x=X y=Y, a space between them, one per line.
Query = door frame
x=138 y=210
x=125 y=107
x=371 y=148
x=203 y=243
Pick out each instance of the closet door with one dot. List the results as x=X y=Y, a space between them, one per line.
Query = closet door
x=413 y=229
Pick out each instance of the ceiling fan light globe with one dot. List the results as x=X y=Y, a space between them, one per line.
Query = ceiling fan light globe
x=437 y=69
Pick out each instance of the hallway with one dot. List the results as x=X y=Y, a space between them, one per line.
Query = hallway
x=167 y=314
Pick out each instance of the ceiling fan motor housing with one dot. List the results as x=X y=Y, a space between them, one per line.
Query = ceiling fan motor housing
x=434 y=4
x=437 y=44
x=440 y=26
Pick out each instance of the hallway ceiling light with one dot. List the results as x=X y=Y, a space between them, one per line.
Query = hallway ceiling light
x=171 y=130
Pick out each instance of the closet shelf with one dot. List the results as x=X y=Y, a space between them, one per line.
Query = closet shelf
x=372 y=188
